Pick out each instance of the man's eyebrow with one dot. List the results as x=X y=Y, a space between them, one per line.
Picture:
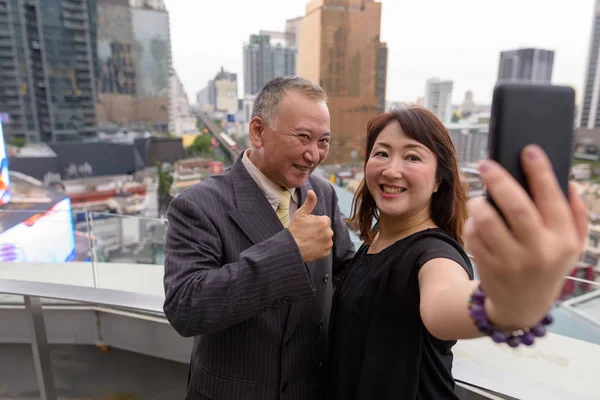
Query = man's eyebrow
x=306 y=129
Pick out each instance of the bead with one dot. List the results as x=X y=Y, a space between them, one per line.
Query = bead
x=513 y=341
x=477 y=312
x=548 y=319
x=528 y=338
x=499 y=337
x=478 y=297
x=485 y=327
x=538 y=330
x=522 y=336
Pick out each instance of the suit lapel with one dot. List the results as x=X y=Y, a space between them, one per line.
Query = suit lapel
x=254 y=214
x=256 y=218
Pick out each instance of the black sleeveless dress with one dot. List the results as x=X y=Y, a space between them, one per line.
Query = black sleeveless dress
x=380 y=348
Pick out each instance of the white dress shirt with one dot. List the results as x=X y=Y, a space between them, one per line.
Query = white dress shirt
x=271 y=190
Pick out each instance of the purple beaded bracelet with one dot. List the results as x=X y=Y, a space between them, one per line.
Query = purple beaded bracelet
x=525 y=336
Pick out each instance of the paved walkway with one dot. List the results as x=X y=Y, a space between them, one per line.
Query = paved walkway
x=84 y=373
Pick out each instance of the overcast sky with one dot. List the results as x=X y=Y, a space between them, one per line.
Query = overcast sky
x=459 y=40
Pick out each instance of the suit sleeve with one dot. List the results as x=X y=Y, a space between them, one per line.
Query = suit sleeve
x=343 y=248
x=203 y=296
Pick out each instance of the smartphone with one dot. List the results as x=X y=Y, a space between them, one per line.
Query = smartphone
x=539 y=114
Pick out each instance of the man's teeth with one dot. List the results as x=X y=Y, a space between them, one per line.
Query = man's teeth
x=391 y=190
x=299 y=168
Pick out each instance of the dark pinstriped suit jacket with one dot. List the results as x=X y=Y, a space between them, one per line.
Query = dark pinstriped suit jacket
x=235 y=280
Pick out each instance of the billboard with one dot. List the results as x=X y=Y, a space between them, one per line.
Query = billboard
x=4 y=178
x=45 y=236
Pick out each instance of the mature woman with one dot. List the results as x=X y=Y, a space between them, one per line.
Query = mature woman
x=410 y=294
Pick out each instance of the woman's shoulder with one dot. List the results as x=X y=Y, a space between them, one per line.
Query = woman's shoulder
x=433 y=243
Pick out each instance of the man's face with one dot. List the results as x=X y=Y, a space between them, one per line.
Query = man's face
x=298 y=141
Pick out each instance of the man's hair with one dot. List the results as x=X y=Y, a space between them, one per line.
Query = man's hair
x=268 y=101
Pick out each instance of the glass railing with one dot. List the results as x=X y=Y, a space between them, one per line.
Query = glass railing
x=126 y=253
x=83 y=248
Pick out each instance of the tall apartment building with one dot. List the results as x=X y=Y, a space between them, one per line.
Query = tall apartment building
x=181 y=120
x=47 y=74
x=292 y=29
x=526 y=65
x=267 y=56
x=468 y=105
x=222 y=92
x=134 y=61
x=153 y=4
x=438 y=98
x=339 y=48
x=589 y=117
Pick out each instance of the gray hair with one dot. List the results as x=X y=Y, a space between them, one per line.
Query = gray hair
x=268 y=101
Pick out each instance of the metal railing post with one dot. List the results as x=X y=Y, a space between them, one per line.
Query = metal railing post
x=40 y=349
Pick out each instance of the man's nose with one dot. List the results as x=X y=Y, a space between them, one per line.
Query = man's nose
x=312 y=153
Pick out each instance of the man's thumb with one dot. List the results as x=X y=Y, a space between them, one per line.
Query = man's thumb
x=309 y=204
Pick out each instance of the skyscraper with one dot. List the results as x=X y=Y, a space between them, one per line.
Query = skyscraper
x=589 y=117
x=222 y=92
x=154 y=4
x=268 y=55
x=339 y=48
x=47 y=74
x=438 y=98
x=526 y=65
x=134 y=60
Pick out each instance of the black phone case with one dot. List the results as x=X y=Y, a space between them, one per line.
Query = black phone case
x=539 y=114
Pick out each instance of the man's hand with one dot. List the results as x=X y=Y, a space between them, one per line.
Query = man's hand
x=312 y=233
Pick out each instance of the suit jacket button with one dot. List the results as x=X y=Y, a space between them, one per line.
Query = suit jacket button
x=284 y=387
x=321 y=326
x=277 y=303
x=326 y=279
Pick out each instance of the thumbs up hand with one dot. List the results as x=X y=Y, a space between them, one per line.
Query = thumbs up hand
x=312 y=233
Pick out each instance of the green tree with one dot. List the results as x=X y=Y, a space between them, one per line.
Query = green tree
x=455 y=118
x=200 y=146
x=165 y=180
x=17 y=142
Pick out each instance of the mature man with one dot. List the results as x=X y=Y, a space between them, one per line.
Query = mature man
x=251 y=256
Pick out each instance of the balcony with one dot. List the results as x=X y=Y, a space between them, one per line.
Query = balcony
x=73 y=5
x=74 y=25
x=85 y=279
x=74 y=16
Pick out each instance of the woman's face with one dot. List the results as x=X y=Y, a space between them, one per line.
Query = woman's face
x=401 y=174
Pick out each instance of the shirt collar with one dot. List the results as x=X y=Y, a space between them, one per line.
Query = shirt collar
x=271 y=190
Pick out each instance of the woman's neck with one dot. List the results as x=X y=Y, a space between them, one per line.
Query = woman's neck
x=392 y=229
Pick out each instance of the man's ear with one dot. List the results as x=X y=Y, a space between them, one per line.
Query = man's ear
x=256 y=129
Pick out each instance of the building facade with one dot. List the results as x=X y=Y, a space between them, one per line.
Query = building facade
x=589 y=117
x=268 y=55
x=224 y=92
x=181 y=120
x=152 y=4
x=47 y=69
x=526 y=65
x=470 y=141
x=351 y=68
x=134 y=58
x=438 y=98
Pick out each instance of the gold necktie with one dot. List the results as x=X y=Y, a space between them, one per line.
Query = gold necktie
x=283 y=210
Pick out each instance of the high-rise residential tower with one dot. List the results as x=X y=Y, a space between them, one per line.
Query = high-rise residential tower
x=339 y=48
